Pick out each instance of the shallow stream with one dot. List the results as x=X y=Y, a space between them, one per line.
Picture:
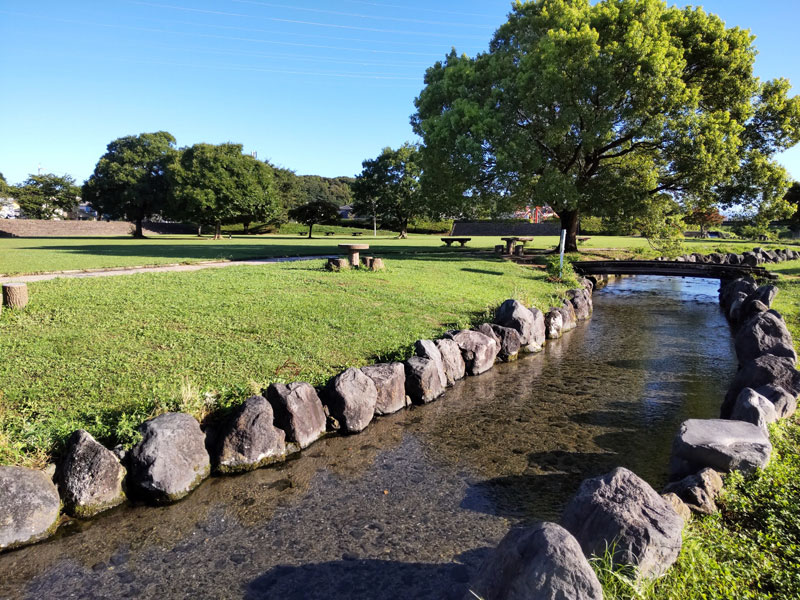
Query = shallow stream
x=409 y=508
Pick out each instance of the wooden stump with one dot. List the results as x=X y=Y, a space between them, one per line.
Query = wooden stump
x=368 y=262
x=337 y=264
x=376 y=264
x=15 y=295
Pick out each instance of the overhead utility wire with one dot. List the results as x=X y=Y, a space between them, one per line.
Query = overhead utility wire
x=296 y=21
x=422 y=9
x=358 y=15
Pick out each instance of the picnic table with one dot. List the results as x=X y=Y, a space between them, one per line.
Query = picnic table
x=461 y=240
x=357 y=233
x=353 y=250
x=328 y=233
x=513 y=240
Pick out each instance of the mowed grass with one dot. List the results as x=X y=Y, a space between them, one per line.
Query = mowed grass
x=105 y=353
x=41 y=255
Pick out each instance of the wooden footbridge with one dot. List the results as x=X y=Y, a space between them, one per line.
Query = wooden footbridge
x=668 y=268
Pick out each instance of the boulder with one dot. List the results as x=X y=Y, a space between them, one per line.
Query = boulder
x=735 y=311
x=765 y=333
x=390 y=381
x=29 y=506
x=620 y=511
x=454 y=367
x=507 y=339
x=423 y=384
x=170 y=460
x=678 y=505
x=734 y=259
x=250 y=439
x=478 y=350
x=428 y=349
x=581 y=302
x=569 y=318
x=699 y=491
x=785 y=403
x=89 y=476
x=553 y=322
x=752 y=407
x=731 y=290
x=351 y=397
x=536 y=342
x=750 y=259
x=541 y=562
x=515 y=315
x=765 y=370
x=720 y=444
x=764 y=294
x=297 y=410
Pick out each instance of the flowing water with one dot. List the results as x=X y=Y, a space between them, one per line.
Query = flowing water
x=410 y=507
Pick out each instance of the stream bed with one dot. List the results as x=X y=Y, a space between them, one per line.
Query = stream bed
x=410 y=507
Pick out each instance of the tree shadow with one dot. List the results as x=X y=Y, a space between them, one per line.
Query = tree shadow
x=367 y=579
x=482 y=271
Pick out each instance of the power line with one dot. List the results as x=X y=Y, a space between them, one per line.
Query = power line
x=422 y=9
x=295 y=21
x=358 y=15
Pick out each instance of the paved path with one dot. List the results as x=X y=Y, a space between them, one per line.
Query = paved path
x=157 y=269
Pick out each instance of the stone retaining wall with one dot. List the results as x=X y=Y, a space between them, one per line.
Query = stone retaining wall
x=46 y=228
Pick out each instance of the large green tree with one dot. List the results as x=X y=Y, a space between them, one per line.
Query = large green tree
x=217 y=184
x=129 y=181
x=389 y=189
x=46 y=196
x=318 y=210
x=595 y=108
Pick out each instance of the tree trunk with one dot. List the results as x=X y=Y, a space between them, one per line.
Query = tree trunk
x=138 y=232
x=218 y=231
x=247 y=227
x=569 y=221
x=404 y=229
x=199 y=231
x=310 y=227
x=15 y=295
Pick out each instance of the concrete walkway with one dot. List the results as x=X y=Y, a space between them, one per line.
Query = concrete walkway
x=216 y=264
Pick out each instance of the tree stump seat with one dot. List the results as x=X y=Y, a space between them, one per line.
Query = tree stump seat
x=15 y=295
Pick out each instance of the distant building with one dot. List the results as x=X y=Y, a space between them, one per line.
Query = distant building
x=535 y=214
x=346 y=211
x=9 y=209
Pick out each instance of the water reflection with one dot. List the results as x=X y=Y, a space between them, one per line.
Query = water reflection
x=407 y=508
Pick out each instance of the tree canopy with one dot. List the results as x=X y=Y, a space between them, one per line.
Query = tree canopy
x=388 y=187
x=318 y=210
x=129 y=180
x=216 y=184
x=597 y=108
x=48 y=195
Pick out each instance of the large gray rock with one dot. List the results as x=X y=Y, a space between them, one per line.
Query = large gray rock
x=754 y=408
x=785 y=403
x=250 y=439
x=764 y=294
x=89 y=476
x=731 y=290
x=678 y=505
x=765 y=370
x=553 y=322
x=515 y=315
x=581 y=302
x=568 y=317
x=765 y=333
x=297 y=409
x=422 y=380
x=390 y=381
x=622 y=511
x=698 y=491
x=507 y=339
x=541 y=562
x=479 y=351
x=454 y=366
x=351 y=397
x=29 y=506
x=171 y=460
x=720 y=444
x=537 y=340
x=428 y=349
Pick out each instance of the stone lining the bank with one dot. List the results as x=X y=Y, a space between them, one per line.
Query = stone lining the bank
x=176 y=455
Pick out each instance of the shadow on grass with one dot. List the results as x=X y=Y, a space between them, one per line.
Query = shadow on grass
x=483 y=271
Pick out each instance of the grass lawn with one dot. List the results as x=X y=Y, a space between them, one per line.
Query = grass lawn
x=105 y=353
x=39 y=255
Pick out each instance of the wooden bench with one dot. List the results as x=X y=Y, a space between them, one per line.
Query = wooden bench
x=328 y=233
x=581 y=240
x=461 y=240
x=357 y=233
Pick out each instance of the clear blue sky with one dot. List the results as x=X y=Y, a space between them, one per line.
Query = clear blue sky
x=310 y=85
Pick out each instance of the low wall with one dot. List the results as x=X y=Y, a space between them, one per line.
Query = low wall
x=497 y=229
x=45 y=228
